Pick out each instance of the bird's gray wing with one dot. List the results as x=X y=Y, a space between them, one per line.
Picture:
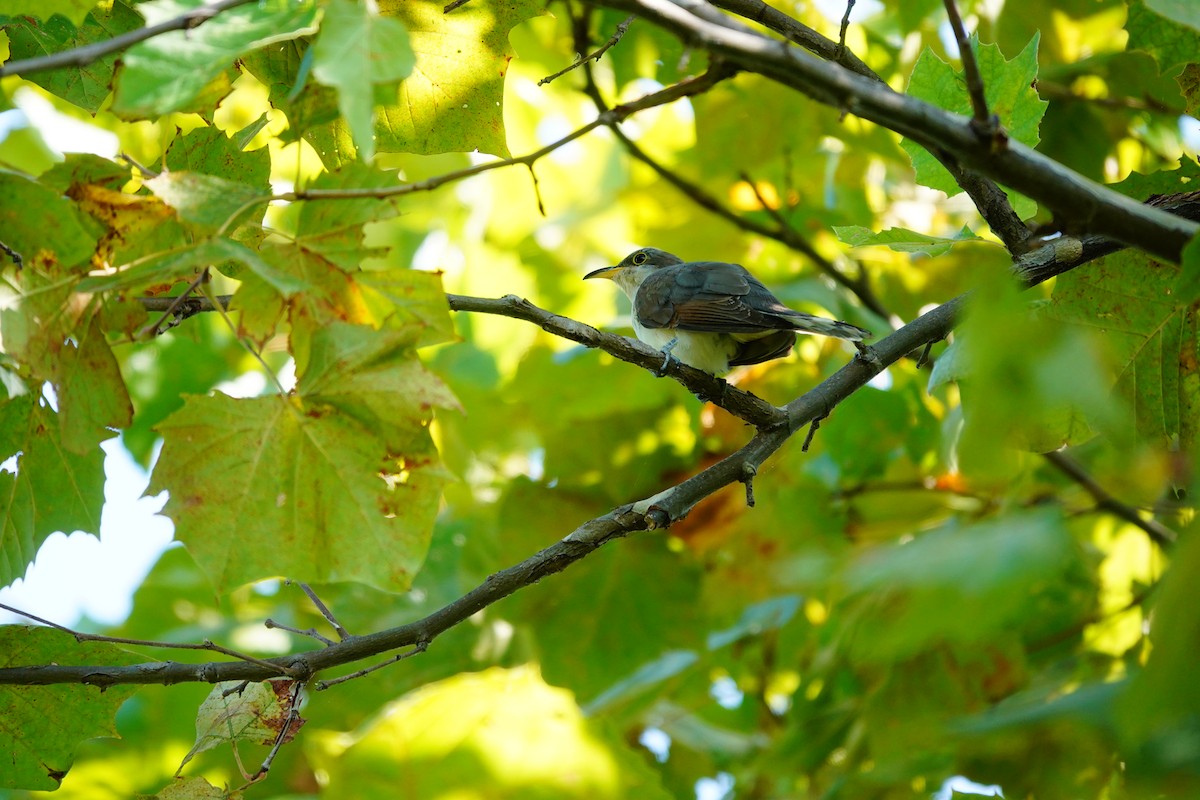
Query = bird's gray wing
x=709 y=296
x=756 y=351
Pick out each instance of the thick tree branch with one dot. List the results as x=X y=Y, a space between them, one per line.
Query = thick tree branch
x=1090 y=207
x=82 y=56
x=990 y=199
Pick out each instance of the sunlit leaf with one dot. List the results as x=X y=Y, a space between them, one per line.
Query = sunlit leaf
x=45 y=724
x=499 y=733
x=356 y=50
x=168 y=72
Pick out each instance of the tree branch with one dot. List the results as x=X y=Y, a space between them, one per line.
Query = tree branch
x=989 y=198
x=82 y=56
x=1160 y=534
x=1091 y=207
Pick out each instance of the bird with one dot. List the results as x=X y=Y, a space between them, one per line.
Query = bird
x=712 y=315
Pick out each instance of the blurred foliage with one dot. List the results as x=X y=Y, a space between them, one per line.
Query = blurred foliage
x=919 y=595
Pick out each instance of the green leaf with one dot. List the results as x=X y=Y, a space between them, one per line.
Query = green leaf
x=453 y=101
x=45 y=228
x=165 y=267
x=374 y=377
x=1184 y=12
x=236 y=711
x=1172 y=45
x=398 y=298
x=903 y=240
x=168 y=72
x=302 y=488
x=87 y=86
x=642 y=680
x=1132 y=303
x=1010 y=93
x=1187 y=288
x=44 y=724
x=497 y=733
x=207 y=201
x=209 y=151
x=54 y=489
x=91 y=392
x=334 y=228
x=73 y=10
x=357 y=50
x=958 y=584
x=765 y=616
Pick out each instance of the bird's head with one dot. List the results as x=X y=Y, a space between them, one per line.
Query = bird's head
x=635 y=268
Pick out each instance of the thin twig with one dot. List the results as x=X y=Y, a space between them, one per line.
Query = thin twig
x=13 y=254
x=156 y=328
x=82 y=56
x=685 y=88
x=311 y=633
x=96 y=637
x=453 y=5
x=419 y=647
x=324 y=609
x=283 y=736
x=970 y=67
x=594 y=56
x=1160 y=534
x=842 y=30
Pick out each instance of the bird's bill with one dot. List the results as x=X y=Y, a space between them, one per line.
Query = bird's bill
x=603 y=272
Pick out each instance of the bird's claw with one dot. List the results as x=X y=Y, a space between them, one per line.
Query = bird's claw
x=868 y=356
x=667 y=359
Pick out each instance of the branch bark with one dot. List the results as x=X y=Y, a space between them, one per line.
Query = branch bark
x=1088 y=206
x=82 y=56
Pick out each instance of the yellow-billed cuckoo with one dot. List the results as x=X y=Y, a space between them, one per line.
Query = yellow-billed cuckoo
x=711 y=315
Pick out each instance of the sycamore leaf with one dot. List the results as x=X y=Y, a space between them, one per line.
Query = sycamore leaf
x=497 y=733
x=1135 y=306
x=54 y=488
x=1172 y=44
x=957 y=584
x=1009 y=89
x=339 y=483
x=168 y=72
x=45 y=228
x=210 y=152
x=73 y=10
x=903 y=240
x=206 y=201
x=44 y=724
x=334 y=230
x=1184 y=12
x=167 y=266
x=236 y=711
x=86 y=86
x=358 y=49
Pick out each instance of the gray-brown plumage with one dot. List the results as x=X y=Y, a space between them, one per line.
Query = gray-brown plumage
x=709 y=314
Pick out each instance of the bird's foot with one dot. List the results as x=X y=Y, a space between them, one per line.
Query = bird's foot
x=667 y=358
x=867 y=355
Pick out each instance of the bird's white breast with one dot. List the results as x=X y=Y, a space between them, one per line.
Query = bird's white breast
x=707 y=351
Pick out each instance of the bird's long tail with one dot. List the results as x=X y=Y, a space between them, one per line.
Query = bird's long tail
x=806 y=323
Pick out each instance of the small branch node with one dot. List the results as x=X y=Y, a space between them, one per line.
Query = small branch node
x=748 y=473
x=812 y=431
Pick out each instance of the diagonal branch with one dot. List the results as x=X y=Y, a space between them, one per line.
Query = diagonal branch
x=1091 y=207
x=1160 y=534
x=82 y=56
x=989 y=198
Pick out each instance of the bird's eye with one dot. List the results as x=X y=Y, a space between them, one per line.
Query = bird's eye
x=639 y=258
